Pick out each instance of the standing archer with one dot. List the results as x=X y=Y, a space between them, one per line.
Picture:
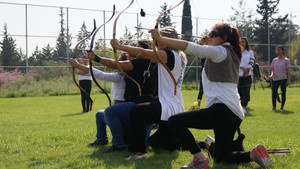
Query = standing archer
x=85 y=82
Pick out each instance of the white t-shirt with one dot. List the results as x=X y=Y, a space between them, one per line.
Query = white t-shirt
x=217 y=92
x=170 y=103
x=85 y=77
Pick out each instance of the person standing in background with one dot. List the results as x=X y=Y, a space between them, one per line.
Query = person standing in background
x=245 y=73
x=280 y=76
x=85 y=82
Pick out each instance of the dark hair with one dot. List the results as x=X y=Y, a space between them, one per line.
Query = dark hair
x=145 y=44
x=232 y=34
x=281 y=47
x=247 y=47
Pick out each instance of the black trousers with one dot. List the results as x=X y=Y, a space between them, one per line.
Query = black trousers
x=244 y=89
x=217 y=117
x=275 y=86
x=85 y=101
x=140 y=116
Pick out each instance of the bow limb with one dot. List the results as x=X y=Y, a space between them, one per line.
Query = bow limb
x=115 y=52
x=73 y=68
x=155 y=52
x=90 y=61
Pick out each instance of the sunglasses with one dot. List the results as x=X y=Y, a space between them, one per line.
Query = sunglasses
x=213 y=34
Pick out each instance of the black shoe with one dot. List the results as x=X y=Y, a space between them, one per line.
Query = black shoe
x=98 y=143
x=114 y=148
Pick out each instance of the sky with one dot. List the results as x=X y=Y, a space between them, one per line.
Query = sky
x=43 y=22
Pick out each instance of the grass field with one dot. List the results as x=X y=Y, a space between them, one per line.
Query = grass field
x=51 y=132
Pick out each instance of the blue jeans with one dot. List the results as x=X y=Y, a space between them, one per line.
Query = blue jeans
x=101 y=126
x=117 y=117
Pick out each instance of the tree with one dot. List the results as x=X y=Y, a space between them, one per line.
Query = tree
x=82 y=34
x=9 y=54
x=242 y=19
x=47 y=52
x=295 y=49
x=186 y=22
x=166 y=18
x=277 y=30
x=35 y=59
x=62 y=42
x=127 y=37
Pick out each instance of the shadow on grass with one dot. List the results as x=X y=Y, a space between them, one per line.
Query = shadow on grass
x=156 y=157
x=286 y=112
x=73 y=114
x=249 y=110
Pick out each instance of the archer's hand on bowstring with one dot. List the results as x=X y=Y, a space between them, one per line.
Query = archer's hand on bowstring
x=155 y=34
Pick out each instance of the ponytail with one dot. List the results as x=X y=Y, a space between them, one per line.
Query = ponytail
x=232 y=36
x=235 y=41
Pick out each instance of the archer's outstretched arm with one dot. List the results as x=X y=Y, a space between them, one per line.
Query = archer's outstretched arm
x=138 y=52
x=126 y=65
x=170 y=42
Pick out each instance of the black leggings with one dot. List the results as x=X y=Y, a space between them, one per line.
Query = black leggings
x=244 y=89
x=85 y=101
x=217 y=117
x=140 y=116
x=275 y=86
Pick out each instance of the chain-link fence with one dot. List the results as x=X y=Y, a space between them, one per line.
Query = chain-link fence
x=36 y=26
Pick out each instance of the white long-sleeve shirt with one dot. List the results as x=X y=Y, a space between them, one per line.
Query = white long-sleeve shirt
x=247 y=61
x=217 y=92
x=118 y=82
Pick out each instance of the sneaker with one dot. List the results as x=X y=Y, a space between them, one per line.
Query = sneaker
x=136 y=156
x=274 y=108
x=208 y=140
x=261 y=155
x=281 y=109
x=114 y=149
x=98 y=143
x=197 y=163
x=244 y=110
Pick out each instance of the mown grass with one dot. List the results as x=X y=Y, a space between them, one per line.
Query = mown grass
x=51 y=132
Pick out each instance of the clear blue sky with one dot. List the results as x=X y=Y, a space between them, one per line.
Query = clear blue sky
x=45 y=21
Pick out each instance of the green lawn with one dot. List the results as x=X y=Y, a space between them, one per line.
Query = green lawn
x=51 y=132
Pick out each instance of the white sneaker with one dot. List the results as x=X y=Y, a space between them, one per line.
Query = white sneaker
x=208 y=140
x=244 y=110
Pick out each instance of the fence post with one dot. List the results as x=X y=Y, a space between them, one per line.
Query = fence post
x=269 y=49
x=104 y=30
x=26 y=29
x=68 y=51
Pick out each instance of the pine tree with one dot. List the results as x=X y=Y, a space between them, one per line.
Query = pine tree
x=186 y=22
x=35 y=58
x=165 y=20
x=82 y=34
x=9 y=55
x=61 y=43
